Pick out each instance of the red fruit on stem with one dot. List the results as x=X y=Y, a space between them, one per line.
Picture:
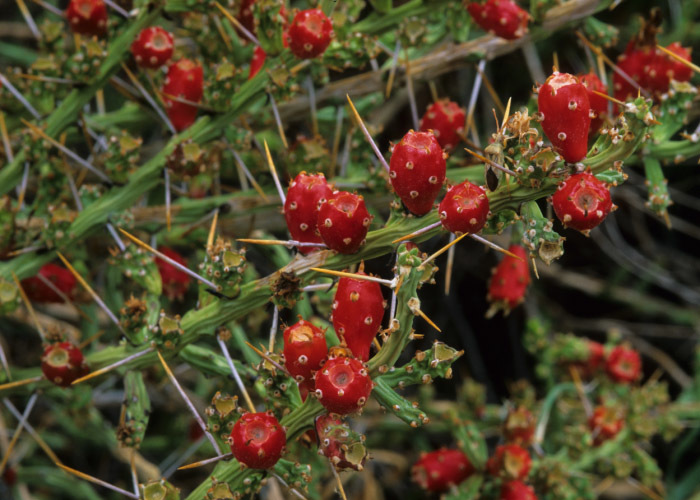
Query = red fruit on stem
x=257 y=440
x=582 y=202
x=306 y=193
x=304 y=349
x=153 y=47
x=175 y=281
x=464 y=209
x=257 y=62
x=87 y=17
x=336 y=444
x=343 y=385
x=185 y=79
x=343 y=222
x=509 y=461
x=517 y=490
x=62 y=363
x=417 y=170
x=509 y=281
x=358 y=309
x=439 y=470
x=605 y=423
x=563 y=103
x=623 y=365
x=632 y=63
x=60 y=277
x=310 y=33
x=598 y=104
x=519 y=427
x=446 y=119
x=504 y=18
x=246 y=16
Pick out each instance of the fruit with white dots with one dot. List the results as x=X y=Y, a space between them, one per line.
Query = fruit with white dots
x=464 y=209
x=306 y=193
x=343 y=222
x=582 y=202
x=343 y=385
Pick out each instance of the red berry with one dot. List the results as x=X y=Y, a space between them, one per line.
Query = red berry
x=338 y=445
x=153 y=47
x=563 y=102
x=175 y=281
x=582 y=202
x=503 y=18
x=605 y=423
x=598 y=104
x=60 y=277
x=509 y=461
x=509 y=281
x=440 y=469
x=517 y=490
x=62 y=363
x=257 y=62
x=417 y=170
x=632 y=63
x=623 y=365
x=343 y=222
x=257 y=440
x=310 y=33
x=185 y=80
x=519 y=427
x=343 y=385
x=464 y=209
x=358 y=309
x=306 y=193
x=246 y=16
x=304 y=349
x=446 y=119
x=87 y=17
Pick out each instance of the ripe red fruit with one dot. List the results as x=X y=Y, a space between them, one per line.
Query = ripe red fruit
x=503 y=18
x=153 y=47
x=440 y=469
x=519 y=427
x=509 y=281
x=257 y=62
x=87 y=17
x=257 y=440
x=185 y=79
x=563 y=102
x=464 y=209
x=306 y=193
x=310 y=33
x=623 y=364
x=304 y=349
x=598 y=104
x=343 y=385
x=417 y=170
x=343 y=222
x=338 y=445
x=582 y=202
x=358 y=309
x=605 y=423
x=509 y=461
x=245 y=15
x=62 y=363
x=60 y=277
x=446 y=119
x=517 y=490
x=175 y=281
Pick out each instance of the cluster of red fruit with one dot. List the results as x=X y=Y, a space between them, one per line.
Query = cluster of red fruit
x=621 y=363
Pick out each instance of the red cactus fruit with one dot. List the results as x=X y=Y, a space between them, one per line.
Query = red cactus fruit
x=257 y=440
x=439 y=470
x=509 y=281
x=563 y=102
x=464 y=209
x=304 y=349
x=343 y=222
x=60 y=277
x=417 y=170
x=245 y=15
x=310 y=33
x=517 y=490
x=306 y=193
x=509 y=461
x=623 y=365
x=503 y=18
x=9 y=476
x=257 y=62
x=358 y=309
x=582 y=202
x=185 y=79
x=62 y=363
x=175 y=282
x=605 y=423
x=336 y=444
x=519 y=427
x=446 y=119
x=598 y=104
x=343 y=385
x=595 y=361
x=87 y=17
x=153 y=47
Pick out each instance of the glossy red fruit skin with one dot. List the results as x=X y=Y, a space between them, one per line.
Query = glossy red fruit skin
x=175 y=281
x=563 y=102
x=417 y=171
x=153 y=47
x=517 y=490
x=519 y=427
x=304 y=349
x=605 y=424
x=632 y=63
x=582 y=202
x=62 y=363
x=306 y=193
x=446 y=119
x=257 y=440
x=310 y=33
x=509 y=461
x=439 y=470
x=464 y=209
x=185 y=79
x=510 y=280
x=343 y=222
x=343 y=385
x=504 y=18
x=61 y=277
x=598 y=104
x=358 y=309
x=623 y=365
x=257 y=62
x=87 y=17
